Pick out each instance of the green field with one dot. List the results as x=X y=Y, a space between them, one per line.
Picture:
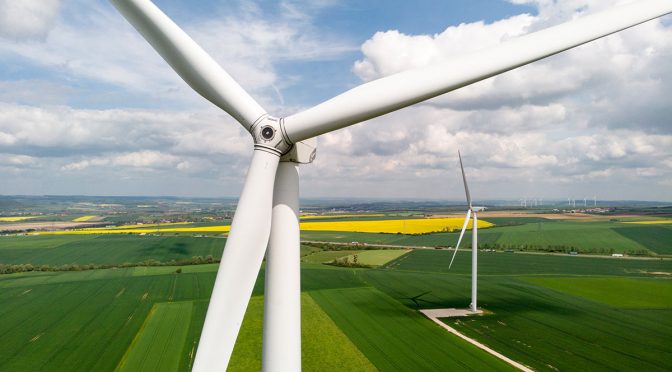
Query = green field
x=378 y=258
x=543 y=327
x=159 y=342
x=104 y=249
x=96 y=320
x=324 y=346
x=501 y=263
x=394 y=337
x=625 y=293
x=654 y=237
x=546 y=311
x=327 y=256
x=601 y=237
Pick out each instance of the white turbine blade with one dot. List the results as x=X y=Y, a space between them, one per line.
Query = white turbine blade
x=190 y=61
x=241 y=261
x=464 y=178
x=464 y=227
x=403 y=89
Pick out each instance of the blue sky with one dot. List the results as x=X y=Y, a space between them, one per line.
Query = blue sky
x=87 y=107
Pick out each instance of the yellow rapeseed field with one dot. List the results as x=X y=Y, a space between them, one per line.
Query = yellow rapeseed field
x=137 y=231
x=15 y=219
x=84 y=218
x=406 y=226
x=654 y=222
x=313 y=216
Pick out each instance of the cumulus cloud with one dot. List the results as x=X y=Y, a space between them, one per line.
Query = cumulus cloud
x=27 y=19
x=599 y=113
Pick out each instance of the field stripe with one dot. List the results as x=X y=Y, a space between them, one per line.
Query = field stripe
x=157 y=345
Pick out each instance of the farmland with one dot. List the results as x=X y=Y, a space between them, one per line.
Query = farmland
x=547 y=311
x=102 y=249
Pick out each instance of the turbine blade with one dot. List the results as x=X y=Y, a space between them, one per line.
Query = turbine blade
x=406 y=88
x=464 y=227
x=190 y=61
x=241 y=261
x=464 y=178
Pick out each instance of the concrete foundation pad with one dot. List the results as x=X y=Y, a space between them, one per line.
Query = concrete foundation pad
x=447 y=313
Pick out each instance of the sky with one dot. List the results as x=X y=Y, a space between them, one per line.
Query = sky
x=87 y=107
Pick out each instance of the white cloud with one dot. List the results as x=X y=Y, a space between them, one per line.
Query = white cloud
x=83 y=46
x=27 y=19
x=595 y=114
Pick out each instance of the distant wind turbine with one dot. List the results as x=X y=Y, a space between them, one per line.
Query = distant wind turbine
x=474 y=239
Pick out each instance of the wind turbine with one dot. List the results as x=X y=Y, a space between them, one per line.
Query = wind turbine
x=267 y=211
x=474 y=240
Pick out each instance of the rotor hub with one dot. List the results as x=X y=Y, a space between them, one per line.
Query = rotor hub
x=268 y=134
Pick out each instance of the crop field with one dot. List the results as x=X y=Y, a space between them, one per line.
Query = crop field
x=501 y=263
x=323 y=345
x=392 y=226
x=532 y=322
x=16 y=218
x=425 y=240
x=655 y=238
x=653 y=222
x=630 y=293
x=97 y=318
x=403 y=226
x=159 y=342
x=84 y=218
x=379 y=258
x=598 y=236
x=546 y=311
x=326 y=256
x=103 y=249
x=394 y=337
x=601 y=237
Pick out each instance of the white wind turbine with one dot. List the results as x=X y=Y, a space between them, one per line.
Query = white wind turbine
x=267 y=212
x=474 y=240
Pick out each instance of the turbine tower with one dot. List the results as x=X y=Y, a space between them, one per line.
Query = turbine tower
x=474 y=241
x=267 y=211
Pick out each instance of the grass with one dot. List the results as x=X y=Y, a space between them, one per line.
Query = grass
x=395 y=338
x=159 y=343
